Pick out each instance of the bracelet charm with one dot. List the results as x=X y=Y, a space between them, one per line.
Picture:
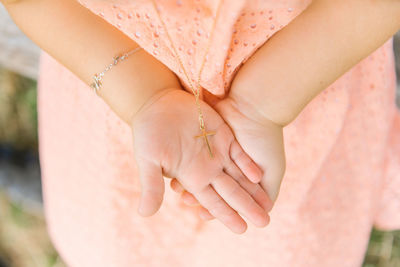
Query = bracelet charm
x=97 y=78
x=96 y=85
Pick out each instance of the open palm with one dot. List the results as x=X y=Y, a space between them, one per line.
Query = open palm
x=164 y=142
x=262 y=140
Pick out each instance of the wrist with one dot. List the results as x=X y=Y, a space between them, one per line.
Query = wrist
x=151 y=100
x=131 y=84
x=285 y=74
x=261 y=101
x=250 y=111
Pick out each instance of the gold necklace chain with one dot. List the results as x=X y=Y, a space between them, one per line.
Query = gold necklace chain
x=197 y=92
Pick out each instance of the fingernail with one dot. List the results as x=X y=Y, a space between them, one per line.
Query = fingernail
x=240 y=229
x=262 y=220
x=260 y=174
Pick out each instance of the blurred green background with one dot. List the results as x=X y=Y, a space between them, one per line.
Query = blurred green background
x=24 y=241
x=23 y=238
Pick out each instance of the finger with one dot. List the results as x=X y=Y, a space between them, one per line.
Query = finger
x=152 y=182
x=205 y=214
x=239 y=199
x=189 y=199
x=245 y=163
x=255 y=190
x=176 y=186
x=216 y=206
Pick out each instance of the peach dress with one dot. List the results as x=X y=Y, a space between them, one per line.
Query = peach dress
x=343 y=152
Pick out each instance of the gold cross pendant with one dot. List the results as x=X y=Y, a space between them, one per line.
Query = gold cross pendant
x=204 y=134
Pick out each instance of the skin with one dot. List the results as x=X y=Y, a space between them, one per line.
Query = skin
x=216 y=182
x=262 y=140
x=84 y=44
x=269 y=91
x=276 y=96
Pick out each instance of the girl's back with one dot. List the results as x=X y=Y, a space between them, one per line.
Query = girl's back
x=343 y=156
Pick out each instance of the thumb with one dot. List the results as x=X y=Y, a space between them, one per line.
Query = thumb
x=272 y=161
x=153 y=187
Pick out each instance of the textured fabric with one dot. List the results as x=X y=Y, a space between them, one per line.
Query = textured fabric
x=343 y=153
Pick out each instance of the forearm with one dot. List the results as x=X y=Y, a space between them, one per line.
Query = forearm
x=85 y=43
x=310 y=53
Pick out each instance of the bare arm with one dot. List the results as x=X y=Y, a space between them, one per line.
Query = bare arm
x=309 y=54
x=85 y=43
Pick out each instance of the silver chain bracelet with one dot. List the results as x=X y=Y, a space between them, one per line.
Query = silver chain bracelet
x=97 y=78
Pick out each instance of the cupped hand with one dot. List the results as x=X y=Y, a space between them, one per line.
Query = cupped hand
x=164 y=133
x=260 y=138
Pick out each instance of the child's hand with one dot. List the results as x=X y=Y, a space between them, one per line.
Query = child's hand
x=164 y=133
x=259 y=137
